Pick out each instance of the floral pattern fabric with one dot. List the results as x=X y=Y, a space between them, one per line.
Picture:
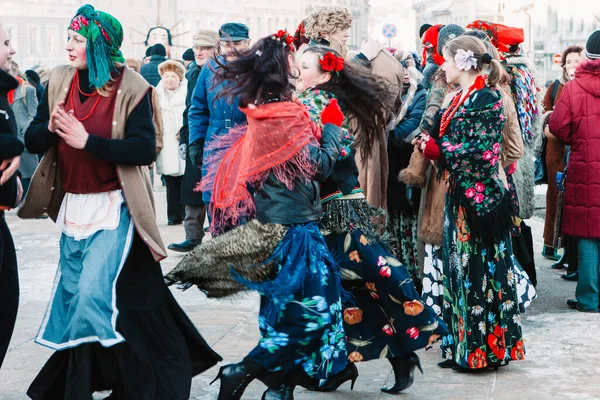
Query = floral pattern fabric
x=385 y=317
x=307 y=331
x=402 y=230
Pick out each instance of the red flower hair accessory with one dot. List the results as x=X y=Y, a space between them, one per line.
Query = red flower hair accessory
x=331 y=63
x=285 y=38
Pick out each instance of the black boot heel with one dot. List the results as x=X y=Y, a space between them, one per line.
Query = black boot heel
x=404 y=372
x=350 y=373
x=235 y=378
x=284 y=392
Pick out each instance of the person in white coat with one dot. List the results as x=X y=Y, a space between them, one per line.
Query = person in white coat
x=172 y=90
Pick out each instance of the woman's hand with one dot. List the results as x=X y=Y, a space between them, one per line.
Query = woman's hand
x=52 y=127
x=421 y=141
x=8 y=168
x=70 y=129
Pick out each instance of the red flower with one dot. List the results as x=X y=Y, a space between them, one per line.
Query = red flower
x=479 y=198
x=497 y=343
x=388 y=330
x=518 y=351
x=75 y=25
x=477 y=359
x=480 y=187
x=386 y=272
x=413 y=332
x=461 y=329
x=84 y=21
x=328 y=62
x=374 y=295
x=487 y=155
x=470 y=193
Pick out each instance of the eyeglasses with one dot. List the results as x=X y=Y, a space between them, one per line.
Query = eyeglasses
x=202 y=48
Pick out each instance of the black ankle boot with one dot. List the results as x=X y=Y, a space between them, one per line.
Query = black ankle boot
x=235 y=378
x=283 y=392
x=560 y=264
x=404 y=368
x=350 y=373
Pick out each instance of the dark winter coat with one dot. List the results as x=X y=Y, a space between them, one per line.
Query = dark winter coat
x=10 y=145
x=399 y=153
x=192 y=174
x=150 y=70
x=576 y=121
x=211 y=115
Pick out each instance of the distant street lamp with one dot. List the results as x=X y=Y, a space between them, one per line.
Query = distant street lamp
x=525 y=10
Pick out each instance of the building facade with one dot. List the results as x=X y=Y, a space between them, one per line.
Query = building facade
x=38 y=27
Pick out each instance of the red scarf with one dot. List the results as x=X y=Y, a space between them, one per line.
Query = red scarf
x=11 y=94
x=274 y=141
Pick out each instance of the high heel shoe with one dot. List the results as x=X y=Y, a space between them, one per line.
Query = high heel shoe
x=404 y=372
x=235 y=378
x=350 y=373
x=283 y=392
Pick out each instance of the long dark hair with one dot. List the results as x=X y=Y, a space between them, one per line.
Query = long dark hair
x=364 y=97
x=259 y=74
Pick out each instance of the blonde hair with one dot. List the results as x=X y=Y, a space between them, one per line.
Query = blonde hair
x=496 y=73
x=327 y=20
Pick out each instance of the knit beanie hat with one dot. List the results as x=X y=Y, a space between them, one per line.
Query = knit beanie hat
x=33 y=77
x=104 y=35
x=423 y=28
x=447 y=33
x=592 y=47
x=188 y=55
x=171 y=66
x=159 y=50
x=149 y=51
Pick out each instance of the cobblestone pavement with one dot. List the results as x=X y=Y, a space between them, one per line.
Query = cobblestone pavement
x=563 y=348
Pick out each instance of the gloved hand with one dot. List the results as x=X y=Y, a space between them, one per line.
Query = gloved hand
x=196 y=153
x=332 y=114
x=182 y=151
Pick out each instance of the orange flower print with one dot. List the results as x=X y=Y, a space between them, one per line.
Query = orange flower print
x=461 y=329
x=413 y=307
x=355 y=356
x=353 y=315
x=497 y=343
x=432 y=339
x=363 y=240
x=518 y=351
x=371 y=286
x=355 y=257
x=477 y=359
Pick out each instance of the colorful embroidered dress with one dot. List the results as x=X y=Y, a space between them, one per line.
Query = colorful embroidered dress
x=481 y=305
x=386 y=317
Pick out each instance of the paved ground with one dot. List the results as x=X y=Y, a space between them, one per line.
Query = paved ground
x=563 y=348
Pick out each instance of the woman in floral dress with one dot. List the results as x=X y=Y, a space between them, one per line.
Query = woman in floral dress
x=386 y=317
x=480 y=296
x=270 y=172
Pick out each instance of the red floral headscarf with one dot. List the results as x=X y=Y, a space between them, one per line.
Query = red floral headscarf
x=430 y=40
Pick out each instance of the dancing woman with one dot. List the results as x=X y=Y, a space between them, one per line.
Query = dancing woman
x=386 y=317
x=271 y=172
x=111 y=319
x=480 y=298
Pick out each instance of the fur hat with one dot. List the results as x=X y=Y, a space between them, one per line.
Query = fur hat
x=592 y=47
x=171 y=66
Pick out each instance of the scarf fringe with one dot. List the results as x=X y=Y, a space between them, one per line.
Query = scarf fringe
x=341 y=215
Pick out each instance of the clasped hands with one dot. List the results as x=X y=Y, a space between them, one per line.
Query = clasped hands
x=421 y=141
x=67 y=127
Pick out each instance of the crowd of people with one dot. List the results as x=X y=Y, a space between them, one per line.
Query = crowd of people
x=376 y=199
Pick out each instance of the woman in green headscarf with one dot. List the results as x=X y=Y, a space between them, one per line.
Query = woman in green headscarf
x=111 y=319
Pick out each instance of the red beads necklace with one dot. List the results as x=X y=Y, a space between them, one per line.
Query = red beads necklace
x=75 y=83
x=458 y=101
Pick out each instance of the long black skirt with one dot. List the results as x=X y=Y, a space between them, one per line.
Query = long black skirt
x=161 y=353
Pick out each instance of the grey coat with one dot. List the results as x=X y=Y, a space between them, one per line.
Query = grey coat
x=25 y=107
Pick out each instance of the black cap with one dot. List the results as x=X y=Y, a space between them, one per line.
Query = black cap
x=159 y=50
x=188 y=55
x=149 y=51
x=233 y=31
x=423 y=28
x=32 y=77
x=592 y=47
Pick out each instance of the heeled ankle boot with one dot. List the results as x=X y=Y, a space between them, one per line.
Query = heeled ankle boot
x=235 y=378
x=404 y=368
x=560 y=264
x=350 y=373
x=283 y=392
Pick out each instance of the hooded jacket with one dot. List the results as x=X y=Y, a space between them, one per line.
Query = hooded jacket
x=575 y=121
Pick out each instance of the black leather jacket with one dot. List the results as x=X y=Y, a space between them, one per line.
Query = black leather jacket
x=275 y=203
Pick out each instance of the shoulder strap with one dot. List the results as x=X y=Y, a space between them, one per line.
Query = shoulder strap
x=555 y=91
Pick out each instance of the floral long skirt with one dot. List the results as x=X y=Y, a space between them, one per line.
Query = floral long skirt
x=481 y=304
x=385 y=316
x=402 y=230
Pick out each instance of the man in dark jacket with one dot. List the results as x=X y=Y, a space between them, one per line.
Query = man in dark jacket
x=205 y=43
x=150 y=70
x=10 y=149
x=210 y=115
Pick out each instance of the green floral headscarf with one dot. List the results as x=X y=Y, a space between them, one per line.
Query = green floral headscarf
x=104 y=35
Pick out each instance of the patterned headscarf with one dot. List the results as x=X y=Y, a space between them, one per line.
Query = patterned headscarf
x=104 y=35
